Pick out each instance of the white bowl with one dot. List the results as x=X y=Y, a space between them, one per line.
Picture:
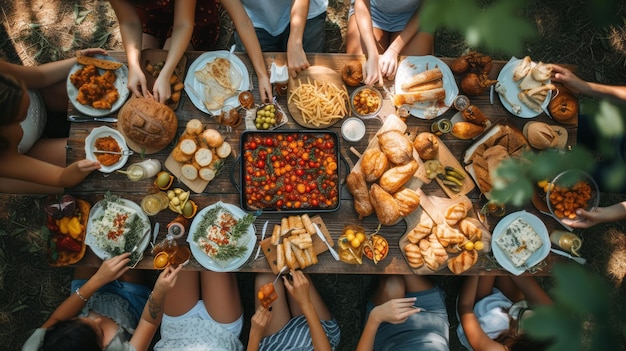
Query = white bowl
x=353 y=129
x=101 y=132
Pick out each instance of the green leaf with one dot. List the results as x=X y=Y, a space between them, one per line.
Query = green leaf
x=581 y=292
x=552 y=322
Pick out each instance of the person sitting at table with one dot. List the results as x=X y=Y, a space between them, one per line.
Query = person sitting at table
x=383 y=30
x=300 y=321
x=31 y=165
x=406 y=312
x=292 y=26
x=202 y=312
x=111 y=309
x=490 y=310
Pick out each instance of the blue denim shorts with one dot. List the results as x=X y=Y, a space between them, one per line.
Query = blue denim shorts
x=135 y=294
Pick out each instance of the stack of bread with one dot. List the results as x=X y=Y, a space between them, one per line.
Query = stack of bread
x=378 y=186
x=421 y=87
x=201 y=152
x=431 y=243
x=484 y=156
x=293 y=239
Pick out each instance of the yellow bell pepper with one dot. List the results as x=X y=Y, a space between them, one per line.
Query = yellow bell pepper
x=62 y=224
x=74 y=227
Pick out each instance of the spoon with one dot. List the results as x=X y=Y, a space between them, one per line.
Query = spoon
x=124 y=153
x=282 y=271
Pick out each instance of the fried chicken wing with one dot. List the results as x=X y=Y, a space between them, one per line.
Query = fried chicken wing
x=95 y=90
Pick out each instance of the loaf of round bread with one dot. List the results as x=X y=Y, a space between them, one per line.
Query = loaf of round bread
x=147 y=125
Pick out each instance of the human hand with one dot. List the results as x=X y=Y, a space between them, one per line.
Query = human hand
x=162 y=89
x=137 y=83
x=88 y=165
x=167 y=278
x=371 y=72
x=395 y=311
x=388 y=63
x=298 y=287
x=265 y=90
x=568 y=79
x=586 y=218
x=296 y=61
x=112 y=268
x=260 y=320
x=91 y=52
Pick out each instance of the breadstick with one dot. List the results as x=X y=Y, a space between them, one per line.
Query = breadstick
x=275 y=235
x=423 y=77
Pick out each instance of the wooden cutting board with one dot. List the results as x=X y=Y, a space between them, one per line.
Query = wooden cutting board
x=155 y=56
x=433 y=208
x=197 y=185
x=269 y=250
x=448 y=159
x=311 y=75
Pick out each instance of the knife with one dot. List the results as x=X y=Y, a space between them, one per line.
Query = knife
x=330 y=248
x=155 y=233
x=258 y=250
x=565 y=254
x=145 y=235
x=79 y=119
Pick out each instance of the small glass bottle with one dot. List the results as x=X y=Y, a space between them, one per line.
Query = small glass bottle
x=143 y=170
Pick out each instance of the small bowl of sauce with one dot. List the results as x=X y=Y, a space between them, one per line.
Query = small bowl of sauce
x=353 y=129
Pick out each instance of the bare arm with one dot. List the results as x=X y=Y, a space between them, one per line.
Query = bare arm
x=613 y=213
x=471 y=326
x=260 y=320
x=130 y=28
x=181 y=35
x=250 y=41
x=109 y=270
x=299 y=289
x=296 y=57
x=394 y=311
x=153 y=310
x=47 y=74
x=533 y=293
x=388 y=61
x=578 y=86
x=363 y=17
x=23 y=167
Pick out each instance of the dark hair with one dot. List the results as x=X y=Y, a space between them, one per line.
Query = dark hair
x=11 y=94
x=69 y=335
x=513 y=339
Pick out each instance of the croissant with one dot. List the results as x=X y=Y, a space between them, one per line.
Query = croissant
x=455 y=213
x=448 y=235
x=463 y=262
x=413 y=255
x=434 y=254
x=393 y=179
x=396 y=146
x=373 y=164
x=385 y=205
x=358 y=188
x=421 y=230
x=407 y=199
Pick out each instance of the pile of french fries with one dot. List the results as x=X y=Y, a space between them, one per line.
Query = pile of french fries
x=320 y=102
x=294 y=242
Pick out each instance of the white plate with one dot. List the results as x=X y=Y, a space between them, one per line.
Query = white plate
x=121 y=83
x=103 y=132
x=208 y=262
x=415 y=64
x=536 y=257
x=198 y=64
x=97 y=210
x=512 y=89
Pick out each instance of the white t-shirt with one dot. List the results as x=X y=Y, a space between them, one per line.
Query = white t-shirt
x=274 y=16
x=34 y=123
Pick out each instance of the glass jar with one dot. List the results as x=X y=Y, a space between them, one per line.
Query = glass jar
x=154 y=203
x=461 y=102
x=441 y=126
x=143 y=170
x=568 y=241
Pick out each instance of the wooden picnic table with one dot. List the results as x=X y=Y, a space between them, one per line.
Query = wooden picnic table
x=94 y=187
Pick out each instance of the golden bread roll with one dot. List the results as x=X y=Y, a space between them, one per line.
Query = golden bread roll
x=385 y=205
x=470 y=229
x=147 y=125
x=463 y=261
x=455 y=213
x=427 y=145
x=421 y=230
x=433 y=252
x=448 y=235
x=466 y=130
x=394 y=178
x=373 y=164
x=194 y=127
x=413 y=255
x=396 y=146
x=358 y=188
x=407 y=199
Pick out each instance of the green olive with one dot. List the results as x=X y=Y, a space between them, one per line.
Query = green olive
x=187 y=209
x=163 y=180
